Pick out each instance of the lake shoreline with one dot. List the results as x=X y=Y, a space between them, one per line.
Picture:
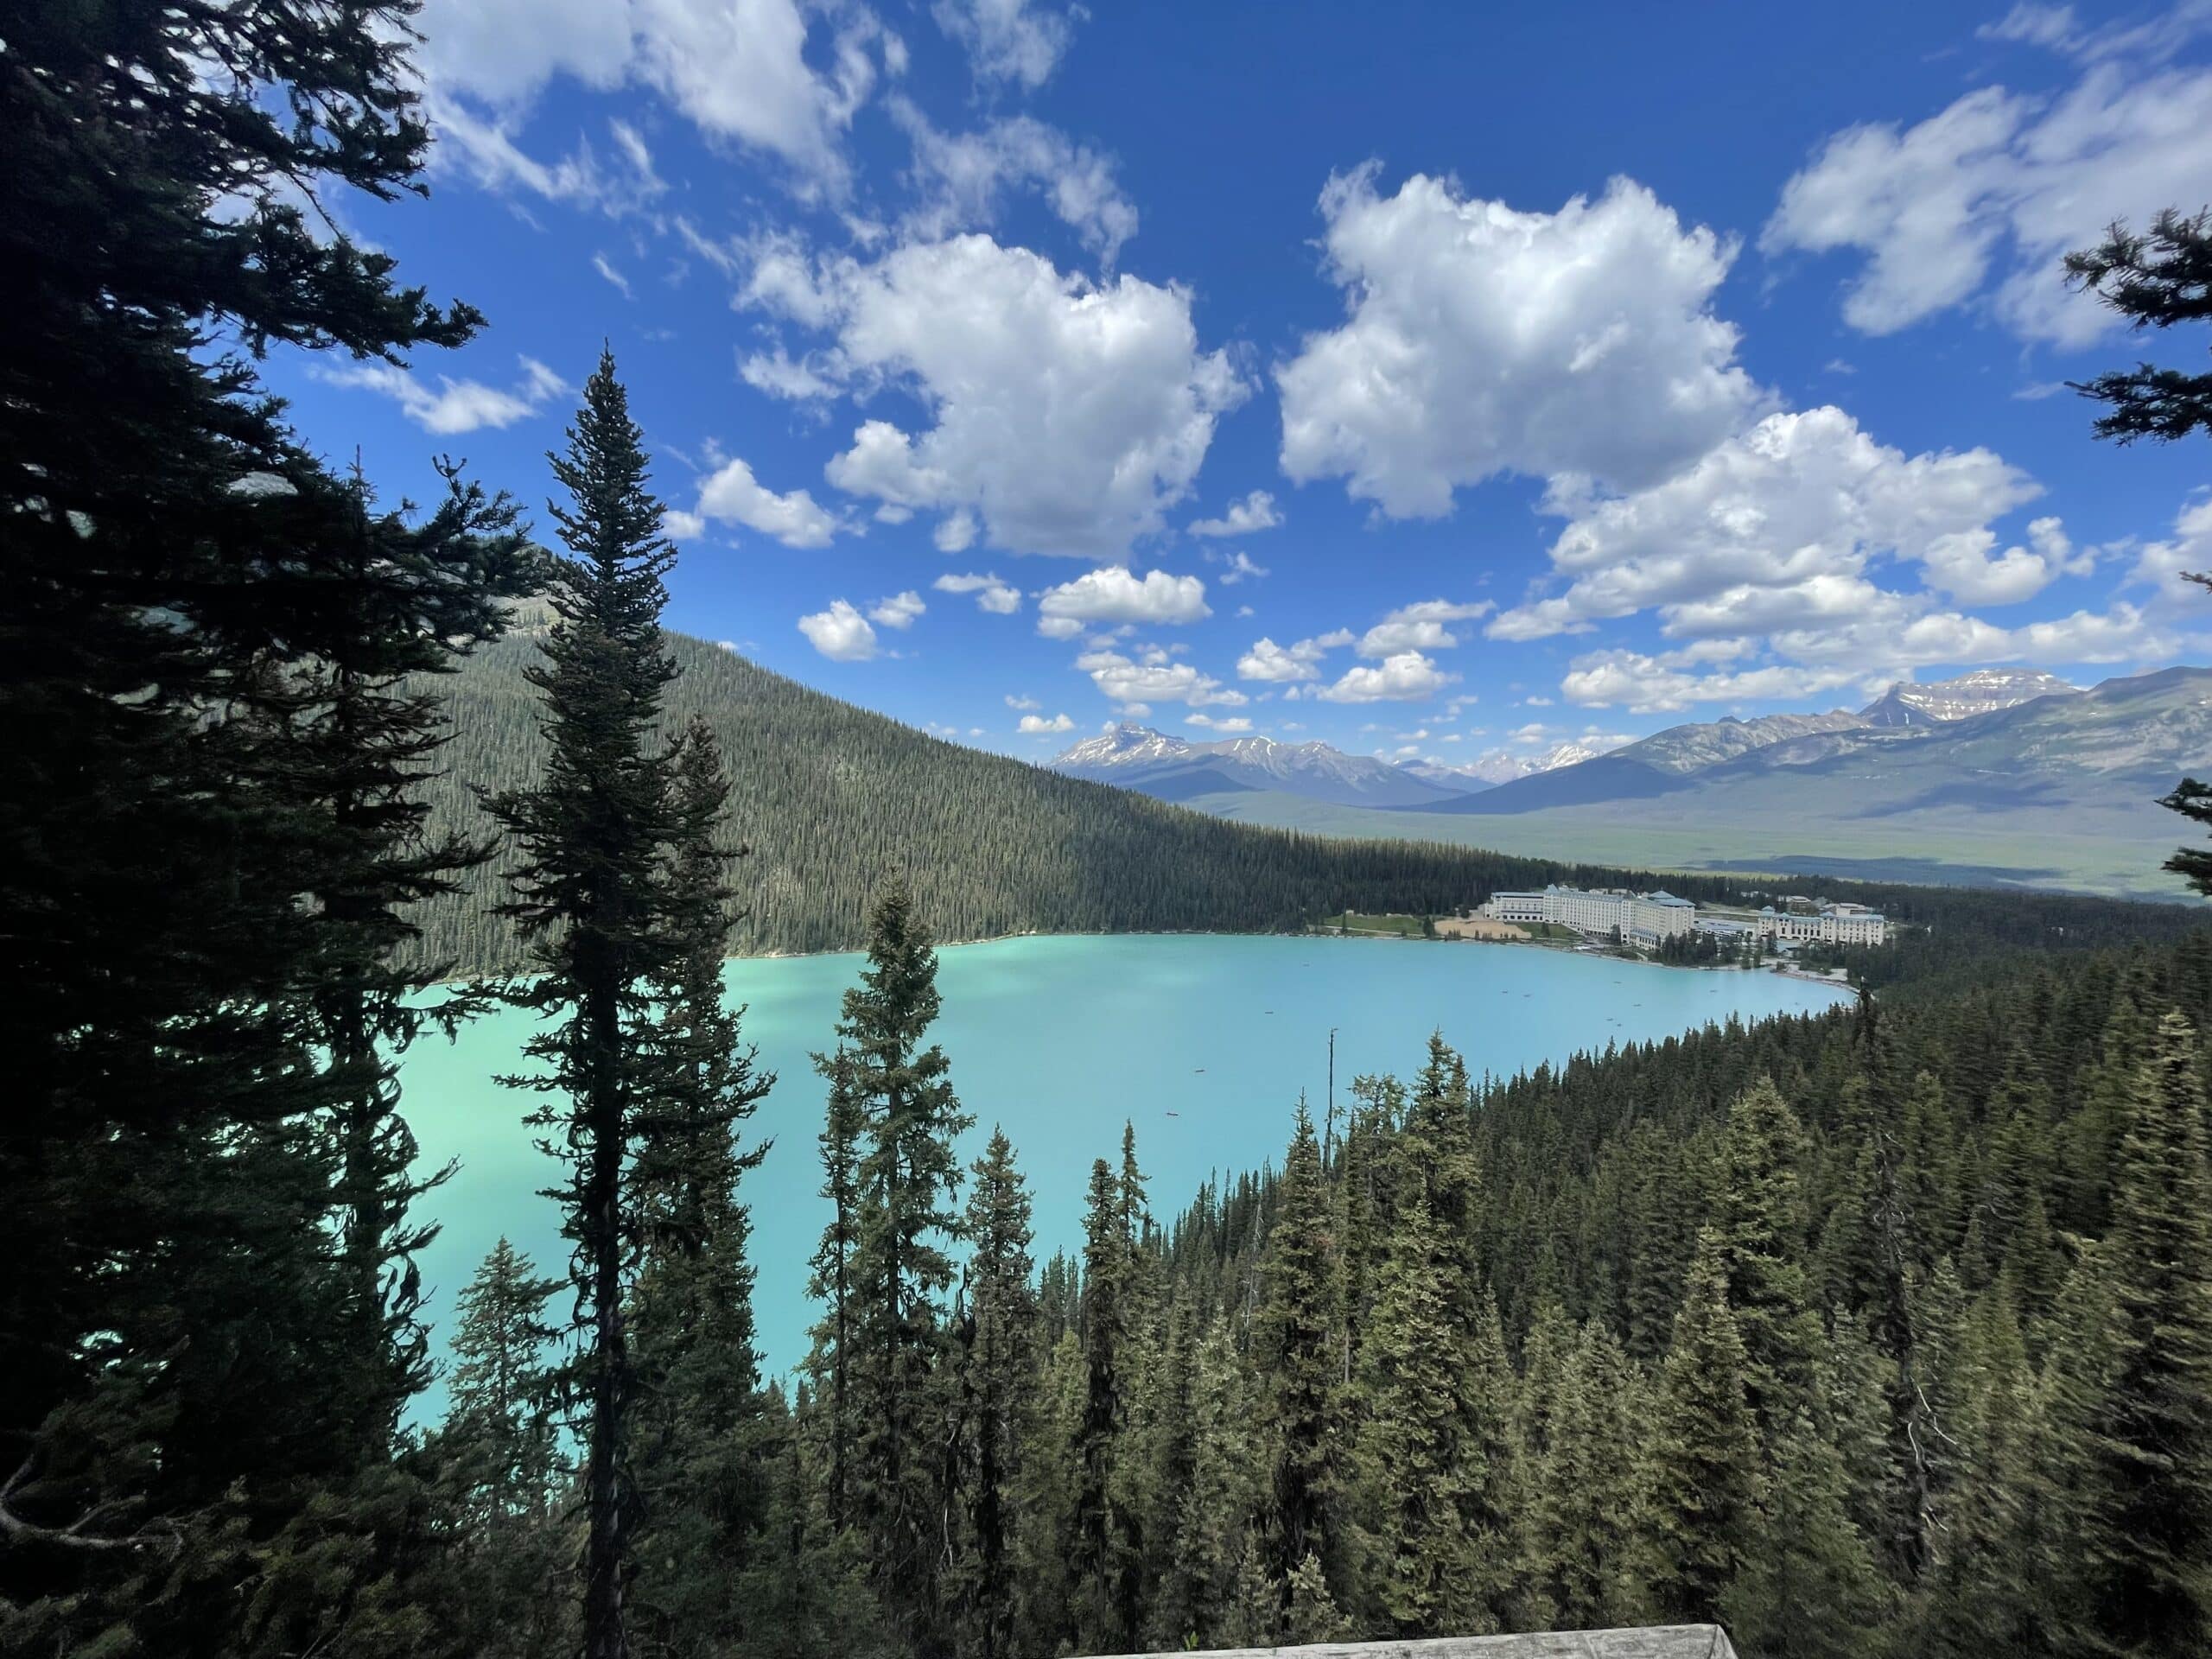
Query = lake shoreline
x=1557 y=947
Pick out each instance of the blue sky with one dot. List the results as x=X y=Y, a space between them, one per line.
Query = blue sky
x=1427 y=379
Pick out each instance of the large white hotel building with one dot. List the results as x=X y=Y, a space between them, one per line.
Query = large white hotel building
x=1645 y=918
x=1648 y=918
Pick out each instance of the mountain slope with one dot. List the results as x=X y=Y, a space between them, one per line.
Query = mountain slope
x=1175 y=768
x=833 y=798
x=2059 y=791
x=1708 y=743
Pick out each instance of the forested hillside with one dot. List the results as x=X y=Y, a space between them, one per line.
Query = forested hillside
x=834 y=799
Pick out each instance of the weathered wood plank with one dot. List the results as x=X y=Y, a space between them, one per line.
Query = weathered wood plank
x=1657 y=1642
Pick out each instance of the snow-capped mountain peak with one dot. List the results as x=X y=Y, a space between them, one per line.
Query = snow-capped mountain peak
x=1124 y=745
x=1982 y=691
x=1501 y=767
x=1144 y=759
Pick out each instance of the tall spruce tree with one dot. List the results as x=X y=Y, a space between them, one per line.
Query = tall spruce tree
x=1582 y=1499
x=830 y=1277
x=1763 y=1239
x=1702 y=1480
x=2143 y=1418
x=1094 y=1545
x=590 y=897
x=1295 y=1343
x=998 y=1365
x=701 y=1457
x=1416 y=1463
x=499 y=1450
x=901 y=1266
x=182 y=577
x=2158 y=279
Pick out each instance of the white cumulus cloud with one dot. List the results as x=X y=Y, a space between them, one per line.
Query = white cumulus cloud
x=1066 y=417
x=1775 y=526
x=2167 y=563
x=999 y=598
x=1299 y=661
x=841 y=634
x=899 y=611
x=1256 y=512
x=1113 y=594
x=456 y=406
x=778 y=76
x=1980 y=201
x=732 y=495
x=1421 y=626
x=1481 y=340
x=1408 y=676
x=1128 y=681
x=1036 y=723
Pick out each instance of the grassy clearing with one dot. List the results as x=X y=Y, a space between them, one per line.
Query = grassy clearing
x=1350 y=921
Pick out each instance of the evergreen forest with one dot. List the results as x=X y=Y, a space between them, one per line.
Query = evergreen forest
x=1882 y=1332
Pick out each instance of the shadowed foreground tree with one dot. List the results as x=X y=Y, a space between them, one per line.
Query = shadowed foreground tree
x=206 y=836
x=591 y=899
x=2156 y=280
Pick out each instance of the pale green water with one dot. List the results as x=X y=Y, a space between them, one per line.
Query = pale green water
x=1202 y=1042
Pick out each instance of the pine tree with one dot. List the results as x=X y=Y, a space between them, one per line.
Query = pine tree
x=590 y=895
x=1196 y=1601
x=1582 y=1500
x=1809 y=1588
x=700 y=1436
x=501 y=1404
x=1763 y=1233
x=500 y=1450
x=2156 y=280
x=1295 y=1345
x=1984 y=1593
x=830 y=1280
x=1436 y=1159
x=1046 y=1608
x=1425 y=1560
x=2143 y=1421
x=1100 y=1553
x=1701 y=1456
x=998 y=1365
x=908 y=1178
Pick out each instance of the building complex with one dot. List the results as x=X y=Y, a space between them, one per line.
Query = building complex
x=1648 y=919
x=1639 y=917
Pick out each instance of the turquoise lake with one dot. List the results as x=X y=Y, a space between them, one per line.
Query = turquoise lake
x=1204 y=1042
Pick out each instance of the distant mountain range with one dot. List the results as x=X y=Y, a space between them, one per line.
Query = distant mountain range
x=2000 y=775
x=1492 y=770
x=1176 y=769
x=1173 y=768
x=1988 y=735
